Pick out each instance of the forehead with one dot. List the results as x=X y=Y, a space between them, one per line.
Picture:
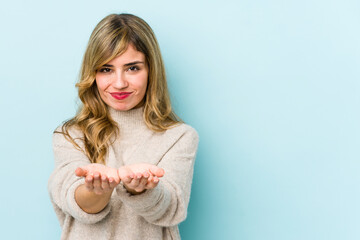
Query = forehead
x=128 y=56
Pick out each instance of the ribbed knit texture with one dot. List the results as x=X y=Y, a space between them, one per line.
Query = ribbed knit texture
x=153 y=214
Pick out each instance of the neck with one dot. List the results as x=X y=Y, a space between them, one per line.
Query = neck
x=130 y=120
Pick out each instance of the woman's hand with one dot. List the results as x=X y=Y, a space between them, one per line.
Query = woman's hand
x=99 y=178
x=139 y=177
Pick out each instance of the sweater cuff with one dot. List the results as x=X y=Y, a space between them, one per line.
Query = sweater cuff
x=77 y=212
x=143 y=202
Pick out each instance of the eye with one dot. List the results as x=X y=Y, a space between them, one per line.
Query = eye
x=133 y=68
x=105 y=70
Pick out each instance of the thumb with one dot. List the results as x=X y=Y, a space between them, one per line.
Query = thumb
x=155 y=170
x=80 y=172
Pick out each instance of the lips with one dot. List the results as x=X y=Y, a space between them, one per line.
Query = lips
x=120 y=95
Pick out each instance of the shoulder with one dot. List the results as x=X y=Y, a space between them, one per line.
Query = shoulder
x=183 y=131
x=181 y=128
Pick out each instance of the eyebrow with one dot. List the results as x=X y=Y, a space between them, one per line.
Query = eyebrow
x=133 y=63
x=126 y=65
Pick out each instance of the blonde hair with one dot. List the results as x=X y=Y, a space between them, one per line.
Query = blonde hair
x=110 y=38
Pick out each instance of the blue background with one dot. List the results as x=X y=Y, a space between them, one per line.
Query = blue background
x=271 y=86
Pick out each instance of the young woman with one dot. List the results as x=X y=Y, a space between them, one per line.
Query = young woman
x=124 y=163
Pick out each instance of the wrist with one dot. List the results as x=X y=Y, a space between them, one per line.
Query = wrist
x=90 y=202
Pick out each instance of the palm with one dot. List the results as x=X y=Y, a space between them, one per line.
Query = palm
x=145 y=167
x=93 y=168
x=139 y=177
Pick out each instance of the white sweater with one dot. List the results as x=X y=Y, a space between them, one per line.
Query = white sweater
x=153 y=214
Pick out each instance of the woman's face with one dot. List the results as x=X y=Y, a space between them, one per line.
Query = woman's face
x=122 y=81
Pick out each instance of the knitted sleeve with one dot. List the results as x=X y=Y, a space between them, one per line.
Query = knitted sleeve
x=166 y=205
x=63 y=181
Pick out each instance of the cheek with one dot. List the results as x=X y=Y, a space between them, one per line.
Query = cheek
x=142 y=83
x=101 y=83
x=141 y=88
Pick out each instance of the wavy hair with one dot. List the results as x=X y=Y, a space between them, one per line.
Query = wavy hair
x=110 y=38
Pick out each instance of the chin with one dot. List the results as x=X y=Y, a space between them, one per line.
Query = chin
x=122 y=108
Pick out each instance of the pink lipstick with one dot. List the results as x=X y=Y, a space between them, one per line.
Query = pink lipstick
x=120 y=95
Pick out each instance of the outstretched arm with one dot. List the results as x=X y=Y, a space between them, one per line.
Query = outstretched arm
x=166 y=204
x=100 y=181
x=137 y=178
x=63 y=182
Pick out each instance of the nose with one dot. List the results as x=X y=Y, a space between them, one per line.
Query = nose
x=119 y=80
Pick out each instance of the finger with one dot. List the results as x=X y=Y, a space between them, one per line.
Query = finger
x=142 y=183
x=153 y=183
x=127 y=179
x=97 y=183
x=80 y=172
x=135 y=181
x=146 y=174
x=112 y=183
x=125 y=175
x=150 y=178
x=105 y=183
x=116 y=179
x=89 y=182
x=155 y=180
x=157 y=171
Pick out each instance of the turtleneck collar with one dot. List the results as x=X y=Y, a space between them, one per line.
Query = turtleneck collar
x=130 y=120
